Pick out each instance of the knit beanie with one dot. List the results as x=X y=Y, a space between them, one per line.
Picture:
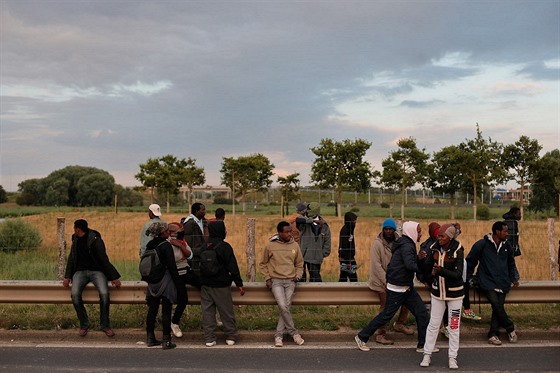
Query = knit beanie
x=389 y=223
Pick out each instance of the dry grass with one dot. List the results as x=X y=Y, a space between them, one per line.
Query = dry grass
x=121 y=234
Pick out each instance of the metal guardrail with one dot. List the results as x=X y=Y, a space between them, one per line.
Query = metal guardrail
x=256 y=293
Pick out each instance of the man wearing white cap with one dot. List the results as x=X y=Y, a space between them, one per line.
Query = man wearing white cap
x=154 y=211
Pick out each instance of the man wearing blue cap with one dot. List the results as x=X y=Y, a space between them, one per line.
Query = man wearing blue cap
x=379 y=260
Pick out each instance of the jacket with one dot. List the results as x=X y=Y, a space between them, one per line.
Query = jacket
x=346 y=239
x=314 y=240
x=496 y=264
x=404 y=263
x=96 y=248
x=281 y=260
x=448 y=284
x=224 y=252
x=195 y=239
x=380 y=256
x=425 y=267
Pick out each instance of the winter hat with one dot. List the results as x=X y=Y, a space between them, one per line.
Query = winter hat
x=451 y=230
x=389 y=223
x=175 y=227
x=313 y=209
x=433 y=229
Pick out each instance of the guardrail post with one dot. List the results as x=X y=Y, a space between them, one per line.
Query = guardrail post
x=251 y=257
x=551 y=246
x=60 y=233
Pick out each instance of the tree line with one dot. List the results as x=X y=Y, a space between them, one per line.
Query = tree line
x=339 y=165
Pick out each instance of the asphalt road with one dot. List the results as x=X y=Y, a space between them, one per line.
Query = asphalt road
x=332 y=357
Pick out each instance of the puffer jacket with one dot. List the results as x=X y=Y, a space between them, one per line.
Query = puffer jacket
x=403 y=264
x=448 y=284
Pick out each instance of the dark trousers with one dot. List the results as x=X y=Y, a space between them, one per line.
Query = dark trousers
x=346 y=276
x=499 y=316
x=153 y=307
x=412 y=301
x=314 y=272
x=182 y=296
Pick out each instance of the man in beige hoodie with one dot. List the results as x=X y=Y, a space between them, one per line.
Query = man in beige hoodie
x=282 y=267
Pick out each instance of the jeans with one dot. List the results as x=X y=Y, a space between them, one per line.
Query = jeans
x=314 y=272
x=182 y=296
x=99 y=280
x=283 y=291
x=500 y=317
x=412 y=301
x=403 y=315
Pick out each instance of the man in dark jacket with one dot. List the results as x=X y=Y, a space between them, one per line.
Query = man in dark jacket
x=347 y=249
x=88 y=262
x=196 y=232
x=216 y=288
x=493 y=255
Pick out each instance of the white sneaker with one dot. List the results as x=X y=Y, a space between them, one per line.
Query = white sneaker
x=230 y=342
x=426 y=360
x=176 y=330
x=361 y=344
x=210 y=344
x=297 y=338
x=512 y=337
x=421 y=350
x=453 y=363
x=278 y=342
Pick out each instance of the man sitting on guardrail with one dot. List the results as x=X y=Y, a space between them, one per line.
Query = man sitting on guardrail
x=88 y=262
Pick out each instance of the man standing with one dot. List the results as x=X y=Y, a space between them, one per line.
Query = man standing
x=496 y=272
x=314 y=240
x=154 y=212
x=379 y=260
x=196 y=233
x=282 y=267
x=301 y=209
x=511 y=218
x=88 y=262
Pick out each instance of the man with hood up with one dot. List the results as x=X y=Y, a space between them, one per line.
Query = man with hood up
x=314 y=241
x=347 y=249
x=400 y=288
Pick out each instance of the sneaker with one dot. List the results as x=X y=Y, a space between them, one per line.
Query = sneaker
x=426 y=360
x=421 y=350
x=401 y=328
x=470 y=315
x=176 y=330
x=445 y=331
x=278 y=342
x=83 y=332
x=109 y=332
x=512 y=337
x=230 y=342
x=380 y=338
x=210 y=344
x=361 y=344
x=453 y=363
x=494 y=340
x=297 y=338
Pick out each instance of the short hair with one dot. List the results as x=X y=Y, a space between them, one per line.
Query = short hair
x=220 y=213
x=281 y=225
x=498 y=226
x=81 y=224
x=195 y=207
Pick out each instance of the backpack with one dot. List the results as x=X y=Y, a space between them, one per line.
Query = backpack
x=209 y=262
x=151 y=269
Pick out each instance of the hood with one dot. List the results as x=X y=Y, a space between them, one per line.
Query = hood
x=217 y=230
x=410 y=230
x=350 y=220
x=276 y=238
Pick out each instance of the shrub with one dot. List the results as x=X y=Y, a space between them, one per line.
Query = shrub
x=482 y=212
x=17 y=234
x=384 y=205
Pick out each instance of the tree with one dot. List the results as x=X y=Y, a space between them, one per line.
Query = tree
x=290 y=188
x=147 y=175
x=128 y=196
x=96 y=190
x=340 y=165
x=3 y=195
x=191 y=175
x=546 y=183
x=244 y=174
x=521 y=158
x=481 y=164
x=57 y=192
x=405 y=167
x=31 y=192
x=444 y=176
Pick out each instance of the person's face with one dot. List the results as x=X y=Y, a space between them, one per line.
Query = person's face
x=419 y=230
x=200 y=213
x=518 y=215
x=78 y=232
x=388 y=233
x=443 y=239
x=286 y=234
x=503 y=234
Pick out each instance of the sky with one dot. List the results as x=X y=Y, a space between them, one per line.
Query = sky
x=112 y=83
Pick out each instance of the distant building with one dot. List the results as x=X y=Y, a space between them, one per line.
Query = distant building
x=206 y=193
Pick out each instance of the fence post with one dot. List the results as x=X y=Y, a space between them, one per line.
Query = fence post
x=60 y=225
x=251 y=258
x=551 y=246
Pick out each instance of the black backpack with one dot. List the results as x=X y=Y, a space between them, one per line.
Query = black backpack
x=151 y=269
x=209 y=262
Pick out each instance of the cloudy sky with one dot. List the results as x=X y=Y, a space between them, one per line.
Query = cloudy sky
x=111 y=83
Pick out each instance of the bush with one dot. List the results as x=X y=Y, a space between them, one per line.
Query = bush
x=384 y=205
x=482 y=212
x=16 y=234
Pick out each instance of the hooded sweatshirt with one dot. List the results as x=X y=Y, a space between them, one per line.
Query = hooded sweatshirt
x=346 y=242
x=281 y=260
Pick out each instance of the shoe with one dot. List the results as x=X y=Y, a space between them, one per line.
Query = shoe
x=426 y=360
x=83 y=332
x=401 y=328
x=210 y=344
x=278 y=342
x=168 y=345
x=380 y=338
x=297 y=338
x=230 y=342
x=361 y=344
x=470 y=315
x=109 y=332
x=494 y=340
x=176 y=330
x=421 y=350
x=453 y=363
x=445 y=331
x=512 y=337
x=151 y=342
